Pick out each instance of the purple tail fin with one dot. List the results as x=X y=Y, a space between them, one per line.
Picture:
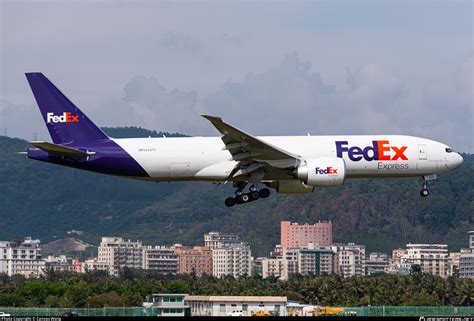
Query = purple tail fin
x=65 y=122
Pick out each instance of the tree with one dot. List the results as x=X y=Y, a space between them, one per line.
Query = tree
x=416 y=270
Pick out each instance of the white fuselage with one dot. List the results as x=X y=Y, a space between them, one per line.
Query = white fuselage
x=203 y=158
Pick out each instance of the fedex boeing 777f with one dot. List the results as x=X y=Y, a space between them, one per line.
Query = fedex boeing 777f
x=289 y=164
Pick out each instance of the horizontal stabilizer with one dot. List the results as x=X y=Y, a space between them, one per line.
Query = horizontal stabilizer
x=61 y=150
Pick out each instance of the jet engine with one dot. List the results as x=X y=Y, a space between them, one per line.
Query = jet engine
x=322 y=172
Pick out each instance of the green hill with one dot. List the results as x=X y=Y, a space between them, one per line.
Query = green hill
x=45 y=201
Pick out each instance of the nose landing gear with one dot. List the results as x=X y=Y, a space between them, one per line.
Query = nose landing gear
x=252 y=195
x=424 y=191
x=424 y=187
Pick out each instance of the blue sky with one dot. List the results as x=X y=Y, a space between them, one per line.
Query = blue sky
x=287 y=67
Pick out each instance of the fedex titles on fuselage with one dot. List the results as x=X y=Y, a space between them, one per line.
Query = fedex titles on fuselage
x=380 y=150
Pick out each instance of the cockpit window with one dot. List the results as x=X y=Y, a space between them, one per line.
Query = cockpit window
x=449 y=150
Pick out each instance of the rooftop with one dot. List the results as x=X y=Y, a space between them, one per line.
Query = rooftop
x=221 y=298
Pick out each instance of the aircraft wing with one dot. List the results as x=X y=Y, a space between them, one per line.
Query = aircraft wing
x=250 y=152
x=60 y=150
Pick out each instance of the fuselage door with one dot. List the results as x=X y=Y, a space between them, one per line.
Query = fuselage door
x=422 y=152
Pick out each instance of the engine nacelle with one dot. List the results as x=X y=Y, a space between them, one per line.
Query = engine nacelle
x=324 y=172
x=293 y=186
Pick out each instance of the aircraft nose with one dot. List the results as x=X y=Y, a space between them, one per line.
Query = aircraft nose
x=457 y=160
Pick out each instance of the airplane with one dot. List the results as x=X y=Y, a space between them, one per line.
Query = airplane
x=288 y=164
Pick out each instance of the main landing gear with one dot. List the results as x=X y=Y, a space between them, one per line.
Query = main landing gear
x=252 y=195
x=424 y=187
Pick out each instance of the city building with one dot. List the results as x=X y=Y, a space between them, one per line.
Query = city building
x=294 y=235
x=453 y=262
x=118 y=253
x=59 y=264
x=161 y=259
x=377 y=263
x=234 y=260
x=397 y=255
x=247 y=305
x=271 y=267
x=217 y=240
x=171 y=305
x=197 y=260
x=432 y=258
x=350 y=257
x=22 y=258
x=77 y=265
x=94 y=264
x=316 y=262
x=257 y=266
x=466 y=265
x=466 y=259
x=289 y=257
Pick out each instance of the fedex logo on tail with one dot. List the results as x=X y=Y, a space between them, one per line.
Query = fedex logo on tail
x=328 y=170
x=379 y=150
x=66 y=117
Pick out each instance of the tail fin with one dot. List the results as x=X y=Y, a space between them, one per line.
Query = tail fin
x=65 y=122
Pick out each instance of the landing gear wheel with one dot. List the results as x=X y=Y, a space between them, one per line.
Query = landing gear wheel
x=254 y=195
x=244 y=198
x=264 y=193
x=253 y=188
x=424 y=192
x=230 y=201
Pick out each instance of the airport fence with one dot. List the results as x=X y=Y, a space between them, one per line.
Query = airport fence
x=88 y=312
x=411 y=311
x=150 y=312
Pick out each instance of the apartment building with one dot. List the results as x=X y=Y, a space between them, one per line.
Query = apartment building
x=59 y=264
x=350 y=257
x=294 y=235
x=289 y=257
x=217 y=240
x=466 y=259
x=305 y=261
x=197 y=259
x=22 y=258
x=94 y=264
x=161 y=259
x=316 y=262
x=432 y=258
x=118 y=253
x=377 y=262
x=234 y=260
x=272 y=267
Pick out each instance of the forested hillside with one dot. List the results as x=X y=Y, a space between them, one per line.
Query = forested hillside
x=45 y=201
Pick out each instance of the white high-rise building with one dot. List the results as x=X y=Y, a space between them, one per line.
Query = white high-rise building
x=377 y=263
x=466 y=259
x=21 y=258
x=305 y=261
x=161 y=259
x=234 y=259
x=432 y=258
x=350 y=258
x=217 y=240
x=316 y=262
x=271 y=267
x=118 y=253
